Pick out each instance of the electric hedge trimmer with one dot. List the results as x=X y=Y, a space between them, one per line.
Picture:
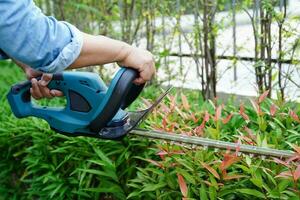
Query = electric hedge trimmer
x=95 y=110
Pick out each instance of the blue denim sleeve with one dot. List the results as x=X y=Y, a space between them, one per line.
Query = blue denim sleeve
x=41 y=42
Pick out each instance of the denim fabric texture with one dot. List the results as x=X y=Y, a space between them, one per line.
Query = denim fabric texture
x=41 y=42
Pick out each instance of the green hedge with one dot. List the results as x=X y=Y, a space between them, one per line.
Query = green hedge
x=37 y=163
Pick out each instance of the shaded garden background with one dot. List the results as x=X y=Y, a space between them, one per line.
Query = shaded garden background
x=186 y=37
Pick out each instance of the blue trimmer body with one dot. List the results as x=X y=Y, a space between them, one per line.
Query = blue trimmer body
x=92 y=108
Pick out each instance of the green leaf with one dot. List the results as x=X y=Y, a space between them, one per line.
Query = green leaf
x=153 y=187
x=202 y=192
x=97 y=162
x=274 y=76
x=251 y=192
x=293 y=132
x=213 y=181
x=248 y=160
x=172 y=183
x=104 y=158
x=257 y=181
x=101 y=173
x=186 y=175
x=275 y=194
x=134 y=194
x=262 y=124
x=283 y=184
x=258 y=140
x=279 y=123
x=56 y=190
x=111 y=189
x=186 y=163
x=213 y=132
x=270 y=177
x=264 y=142
x=212 y=193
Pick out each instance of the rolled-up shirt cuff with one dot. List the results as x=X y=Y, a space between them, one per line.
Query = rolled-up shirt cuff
x=68 y=54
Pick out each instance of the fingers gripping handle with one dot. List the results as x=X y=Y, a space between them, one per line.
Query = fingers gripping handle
x=19 y=96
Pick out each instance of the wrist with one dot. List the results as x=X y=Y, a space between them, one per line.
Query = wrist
x=125 y=51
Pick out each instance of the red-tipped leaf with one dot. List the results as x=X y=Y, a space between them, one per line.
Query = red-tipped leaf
x=164 y=123
x=297 y=149
x=286 y=174
x=229 y=160
x=249 y=131
x=273 y=110
x=199 y=129
x=256 y=107
x=163 y=152
x=297 y=173
x=155 y=163
x=218 y=113
x=294 y=116
x=182 y=185
x=193 y=117
x=227 y=119
x=293 y=158
x=185 y=102
x=206 y=116
x=211 y=170
x=281 y=162
x=263 y=96
x=242 y=112
x=235 y=176
x=173 y=102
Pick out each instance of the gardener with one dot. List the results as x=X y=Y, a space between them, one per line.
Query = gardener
x=42 y=45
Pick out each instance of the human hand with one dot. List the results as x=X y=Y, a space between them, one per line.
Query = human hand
x=39 y=88
x=141 y=60
x=99 y=50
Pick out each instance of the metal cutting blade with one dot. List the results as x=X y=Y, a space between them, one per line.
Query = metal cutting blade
x=135 y=118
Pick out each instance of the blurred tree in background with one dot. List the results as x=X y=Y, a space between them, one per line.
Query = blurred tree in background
x=176 y=30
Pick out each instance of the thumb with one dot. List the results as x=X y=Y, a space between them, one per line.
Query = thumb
x=139 y=81
x=46 y=78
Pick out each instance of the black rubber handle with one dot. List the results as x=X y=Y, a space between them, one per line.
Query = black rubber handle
x=122 y=95
x=24 y=87
x=133 y=93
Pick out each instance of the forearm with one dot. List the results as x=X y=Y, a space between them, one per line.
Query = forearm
x=98 y=50
x=21 y=65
